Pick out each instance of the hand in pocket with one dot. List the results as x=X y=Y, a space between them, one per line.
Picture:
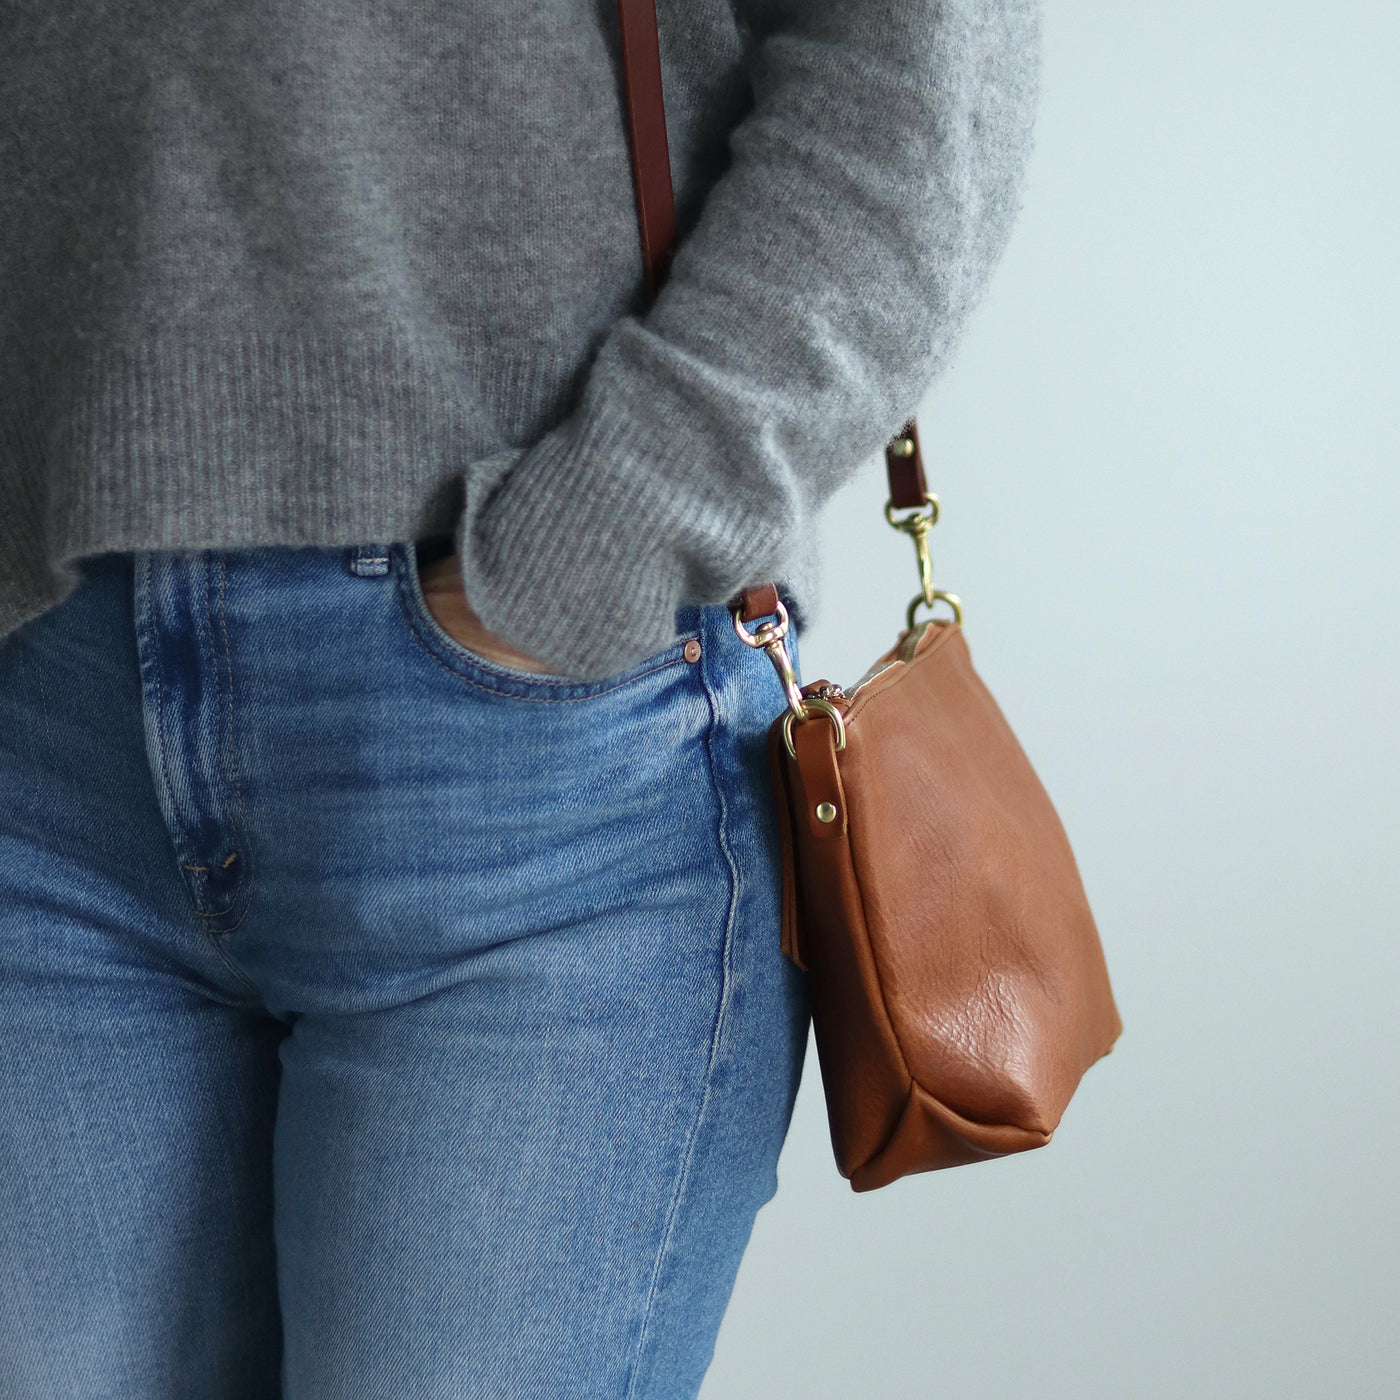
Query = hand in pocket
x=447 y=602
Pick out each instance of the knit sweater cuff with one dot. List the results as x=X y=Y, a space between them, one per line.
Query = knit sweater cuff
x=579 y=550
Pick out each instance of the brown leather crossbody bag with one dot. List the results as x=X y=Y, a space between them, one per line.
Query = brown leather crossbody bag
x=959 y=990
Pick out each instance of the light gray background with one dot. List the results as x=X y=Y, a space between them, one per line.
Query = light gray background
x=1167 y=455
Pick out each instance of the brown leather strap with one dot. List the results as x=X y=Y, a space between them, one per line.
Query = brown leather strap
x=656 y=219
x=646 y=119
x=905 y=464
x=760 y=601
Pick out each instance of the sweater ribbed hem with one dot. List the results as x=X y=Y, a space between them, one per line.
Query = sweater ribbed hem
x=296 y=441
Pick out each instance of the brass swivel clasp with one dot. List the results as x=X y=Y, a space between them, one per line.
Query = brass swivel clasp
x=917 y=525
x=769 y=635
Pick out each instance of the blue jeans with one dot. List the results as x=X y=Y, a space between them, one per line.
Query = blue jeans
x=375 y=1020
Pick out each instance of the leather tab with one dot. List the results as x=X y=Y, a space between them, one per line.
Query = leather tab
x=907 y=485
x=818 y=779
x=756 y=602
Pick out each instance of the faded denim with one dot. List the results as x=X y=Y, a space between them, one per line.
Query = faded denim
x=376 y=1020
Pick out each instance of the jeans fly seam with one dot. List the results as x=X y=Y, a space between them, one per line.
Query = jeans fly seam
x=210 y=936
x=716 y=1035
x=230 y=767
x=153 y=628
x=178 y=838
x=239 y=824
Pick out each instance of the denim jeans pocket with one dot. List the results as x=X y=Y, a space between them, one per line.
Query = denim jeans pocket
x=496 y=676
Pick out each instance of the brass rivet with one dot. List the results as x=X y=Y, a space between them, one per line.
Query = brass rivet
x=692 y=650
x=826 y=812
x=902 y=447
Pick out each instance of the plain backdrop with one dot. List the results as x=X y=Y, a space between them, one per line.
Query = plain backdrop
x=1167 y=453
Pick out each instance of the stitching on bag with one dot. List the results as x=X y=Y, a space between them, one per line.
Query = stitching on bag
x=871 y=696
x=869 y=943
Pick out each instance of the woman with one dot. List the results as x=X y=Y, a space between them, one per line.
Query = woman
x=392 y=1002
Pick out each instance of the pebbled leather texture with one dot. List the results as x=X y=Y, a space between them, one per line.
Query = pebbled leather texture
x=959 y=990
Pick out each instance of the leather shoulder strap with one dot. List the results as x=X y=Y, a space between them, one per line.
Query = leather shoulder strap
x=656 y=219
x=646 y=119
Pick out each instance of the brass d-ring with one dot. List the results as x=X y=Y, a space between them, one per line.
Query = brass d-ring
x=812 y=702
x=917 y=521
x=951 y=599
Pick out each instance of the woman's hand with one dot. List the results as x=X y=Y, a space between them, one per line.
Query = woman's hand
x=447 y=602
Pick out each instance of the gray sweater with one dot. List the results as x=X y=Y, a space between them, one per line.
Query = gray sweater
x=324 y=272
